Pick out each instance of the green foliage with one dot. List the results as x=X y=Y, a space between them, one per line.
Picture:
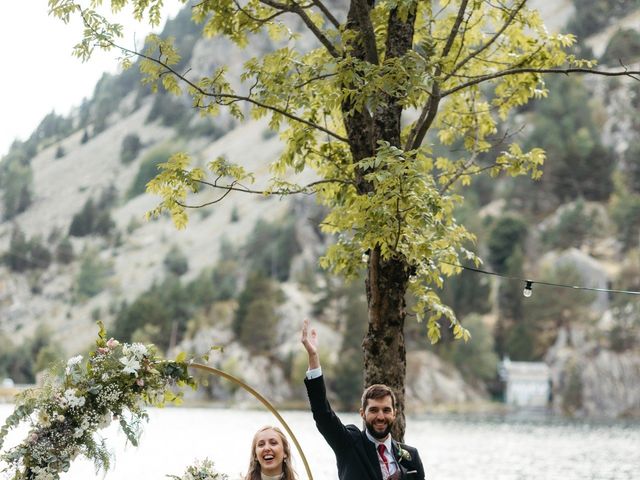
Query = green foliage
x=625 y=212
x=148 y=170
x=544 y=314
x=25 y=254
x=60 y=152
x=256 y=318
x=476 y=360
x=22 y=361
x=130 y=148
x=169 y=110
x=64 y=251
x=338 y=106
x=92 y=277
x=571 y=388
x=574 y=225
x=116 y=382
x=563 y=125
x=348 y=373
x=176 y=262
x=16 y=180
x=591 y=16
x=52 y=127
x=631 y=167
x=507 y=233
x=623 y=47
x=93 y=218
x=167 y=305
x=201 y=470
x=271 y=246
x=467 y=293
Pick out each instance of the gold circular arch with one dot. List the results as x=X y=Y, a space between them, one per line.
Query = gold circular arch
x=264 y=401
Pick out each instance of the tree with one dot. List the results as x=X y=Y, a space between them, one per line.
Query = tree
x=339 y=108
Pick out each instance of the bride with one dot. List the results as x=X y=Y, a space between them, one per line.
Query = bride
x=270 y=456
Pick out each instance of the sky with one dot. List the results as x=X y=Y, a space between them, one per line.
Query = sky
x=39 y=72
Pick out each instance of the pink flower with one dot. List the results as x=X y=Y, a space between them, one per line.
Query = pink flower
x=140 y=382
x=103 y=350
x=112 y=343
x=33 y=438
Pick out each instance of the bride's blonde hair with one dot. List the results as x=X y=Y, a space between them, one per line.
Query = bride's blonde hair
x=254 y=466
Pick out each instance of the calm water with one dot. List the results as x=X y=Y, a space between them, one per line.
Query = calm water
x=451 y=447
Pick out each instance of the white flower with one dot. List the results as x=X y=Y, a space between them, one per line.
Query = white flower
x=105 y=420
x=44 y=418
x=72 y=362
x=136 y=350
x=72 y=399
x=131 y=365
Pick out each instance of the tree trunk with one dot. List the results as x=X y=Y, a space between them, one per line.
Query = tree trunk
x=384 y=349
x=385 y=359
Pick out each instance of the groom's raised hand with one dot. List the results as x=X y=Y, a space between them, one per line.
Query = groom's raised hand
x=310 y=342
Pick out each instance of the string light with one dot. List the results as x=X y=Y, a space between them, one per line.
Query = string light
x=528 y=289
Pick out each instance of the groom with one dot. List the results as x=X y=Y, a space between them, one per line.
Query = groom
x=369 y=454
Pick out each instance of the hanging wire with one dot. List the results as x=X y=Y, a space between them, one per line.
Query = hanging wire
x=530 y=282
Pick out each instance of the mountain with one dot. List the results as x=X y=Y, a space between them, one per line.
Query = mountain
x=243 y=274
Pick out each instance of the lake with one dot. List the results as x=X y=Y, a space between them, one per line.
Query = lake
x=452 y=447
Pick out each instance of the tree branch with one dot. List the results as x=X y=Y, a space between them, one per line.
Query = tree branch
x=488 y=44
x=231 y=97
x=259 y=20
x=236 y=186
x=359 y=11
x=430 y=110
x=635 y=74
x=298 y=10
x=323 y=8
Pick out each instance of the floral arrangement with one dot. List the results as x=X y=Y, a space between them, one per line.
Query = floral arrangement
x=116 y=382
x=201 y=470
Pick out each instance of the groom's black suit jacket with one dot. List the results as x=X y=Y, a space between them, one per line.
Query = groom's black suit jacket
x=356 y=455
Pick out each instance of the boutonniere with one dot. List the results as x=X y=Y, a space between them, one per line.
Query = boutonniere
x=403 y=454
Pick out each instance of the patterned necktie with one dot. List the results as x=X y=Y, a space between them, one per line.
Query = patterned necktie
x=381 y=451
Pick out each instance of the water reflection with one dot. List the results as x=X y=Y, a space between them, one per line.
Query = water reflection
x=452 y=447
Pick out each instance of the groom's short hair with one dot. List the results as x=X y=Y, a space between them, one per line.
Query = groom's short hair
x=377 y=391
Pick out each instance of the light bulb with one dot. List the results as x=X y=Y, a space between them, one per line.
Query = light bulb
x=528 y=291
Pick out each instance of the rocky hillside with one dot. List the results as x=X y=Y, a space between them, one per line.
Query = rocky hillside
x=77 y=249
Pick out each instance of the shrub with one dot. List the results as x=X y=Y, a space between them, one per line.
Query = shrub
x=625 y=211
x=64 y=251
x=167 y=306
x=130 y=148
x=176 y=262
x=582 y=166
x=476 y=359
x=271 y=247
x=573 y=227
x=507 y=233
x=92 y=219
x=92 y=277
x=256 y=314
x=632 y=165
x=348 y=377
x=26 y=254
x=171 y=111
x=623 y=47
x=148 y=170
x=60 y=152
x=16 y=180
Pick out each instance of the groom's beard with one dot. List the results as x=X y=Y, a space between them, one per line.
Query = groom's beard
x=379 y=434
